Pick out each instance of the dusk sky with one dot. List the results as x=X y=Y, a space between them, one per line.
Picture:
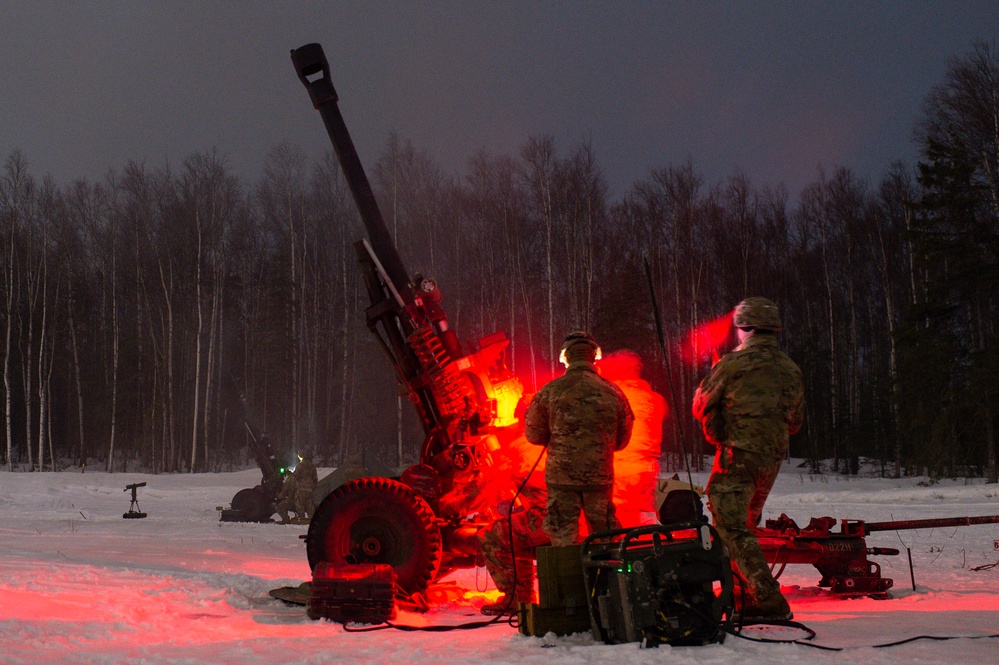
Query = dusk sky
x=771 y=89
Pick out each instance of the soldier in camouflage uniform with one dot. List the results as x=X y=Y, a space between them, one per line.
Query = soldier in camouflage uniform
x=748 y=406
x=286 y=498
x=636 y=467
x=308 y=478
x=298 y=491
x=508 y=546
x=582 y=418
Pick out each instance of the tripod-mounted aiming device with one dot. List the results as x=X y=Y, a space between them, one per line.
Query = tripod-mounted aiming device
x=133 y=508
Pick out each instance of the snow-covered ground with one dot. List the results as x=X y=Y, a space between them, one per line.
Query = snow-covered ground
x=79 y=584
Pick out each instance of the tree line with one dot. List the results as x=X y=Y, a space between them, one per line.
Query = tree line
x=148 y=318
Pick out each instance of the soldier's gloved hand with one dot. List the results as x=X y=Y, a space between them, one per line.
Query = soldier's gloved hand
x=714 y=429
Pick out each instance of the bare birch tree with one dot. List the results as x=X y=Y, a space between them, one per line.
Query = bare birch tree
x=16 y=187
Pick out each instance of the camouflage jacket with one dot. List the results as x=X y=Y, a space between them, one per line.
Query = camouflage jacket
x=582 y=418
x=753 y=398
x=307 y=476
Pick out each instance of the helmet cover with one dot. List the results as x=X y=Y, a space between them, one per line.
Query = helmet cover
x=576 y=338
x=758 y=313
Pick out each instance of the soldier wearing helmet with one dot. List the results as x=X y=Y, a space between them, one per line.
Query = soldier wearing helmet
x=308 y=478
x=757 y=314
x=583 y=419
x=298 y=490
x=748 y=406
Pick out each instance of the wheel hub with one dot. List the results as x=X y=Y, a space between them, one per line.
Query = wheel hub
x=371 y=547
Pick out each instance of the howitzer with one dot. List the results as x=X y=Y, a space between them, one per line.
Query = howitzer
x=465 y=401
x=841 y=556
x=257 y=504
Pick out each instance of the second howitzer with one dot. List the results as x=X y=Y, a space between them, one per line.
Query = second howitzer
x=416 y=522
x=841 y=556
x=257 y=504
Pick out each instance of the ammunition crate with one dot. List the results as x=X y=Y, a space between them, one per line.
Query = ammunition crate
x=561 y=583
x=562 y=608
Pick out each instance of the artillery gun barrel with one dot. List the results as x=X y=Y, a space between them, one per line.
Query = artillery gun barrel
x=314 y=72
x=905 y=525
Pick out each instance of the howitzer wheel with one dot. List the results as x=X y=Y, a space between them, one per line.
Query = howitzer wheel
x=253 y=504
x=378 y=520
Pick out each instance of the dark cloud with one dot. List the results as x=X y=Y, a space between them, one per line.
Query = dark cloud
x=770 y=88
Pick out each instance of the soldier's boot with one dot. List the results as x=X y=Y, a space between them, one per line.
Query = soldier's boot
x=771 y=609
x=507 y=604
x=767 y=604
x=284 y=517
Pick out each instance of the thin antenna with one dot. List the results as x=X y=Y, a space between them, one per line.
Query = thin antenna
x=669 y=369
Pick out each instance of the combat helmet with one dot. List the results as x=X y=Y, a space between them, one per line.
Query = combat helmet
x=757 y=313
x=575 y=338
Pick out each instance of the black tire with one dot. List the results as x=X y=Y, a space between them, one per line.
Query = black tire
x=253 y=505
x=378 y=520
x=681 y=506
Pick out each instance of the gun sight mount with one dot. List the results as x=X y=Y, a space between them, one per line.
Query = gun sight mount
x=133 y=508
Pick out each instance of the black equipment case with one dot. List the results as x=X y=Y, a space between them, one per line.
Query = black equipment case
x=359 y=593
x=658 y=584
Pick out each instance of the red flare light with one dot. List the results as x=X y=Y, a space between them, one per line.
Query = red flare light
x=706 y=340
x=635 y=467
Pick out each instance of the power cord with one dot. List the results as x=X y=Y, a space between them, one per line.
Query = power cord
x=811 y=634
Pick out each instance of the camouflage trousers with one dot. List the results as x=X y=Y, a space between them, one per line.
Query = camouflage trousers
x=300 y=501
x=512 y=566
x=304 y=503
x=563 y=509
x=739 y=486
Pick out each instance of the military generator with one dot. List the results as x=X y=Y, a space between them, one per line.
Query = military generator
x=658 y=584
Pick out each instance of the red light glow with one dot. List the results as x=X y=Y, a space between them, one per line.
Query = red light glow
x=706 y=340
x=636 y=466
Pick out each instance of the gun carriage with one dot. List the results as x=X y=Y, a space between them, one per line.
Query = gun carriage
x=842 y=556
